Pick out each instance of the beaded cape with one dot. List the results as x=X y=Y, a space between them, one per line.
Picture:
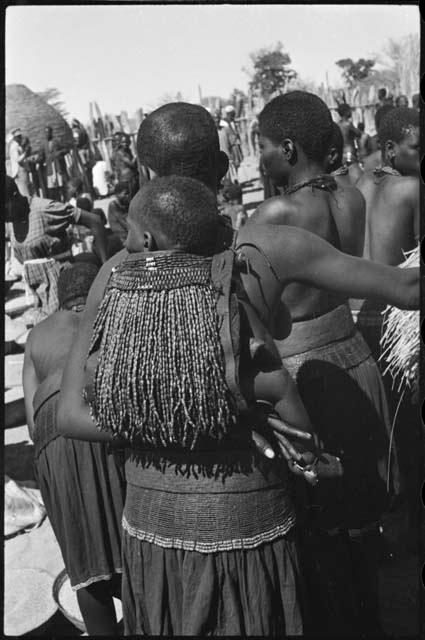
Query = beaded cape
x=163 y=370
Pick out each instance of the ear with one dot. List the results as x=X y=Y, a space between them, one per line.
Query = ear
x=146 y=173
x=222 y=164
x=333 y=157
x=289 y=151
x=390 y=149
x=149 y=243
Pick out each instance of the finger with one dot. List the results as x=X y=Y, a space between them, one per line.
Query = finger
x=282 y=427
x=285 y=444
x=262 y=445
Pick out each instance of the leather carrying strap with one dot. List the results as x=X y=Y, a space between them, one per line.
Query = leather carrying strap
x=229 y=321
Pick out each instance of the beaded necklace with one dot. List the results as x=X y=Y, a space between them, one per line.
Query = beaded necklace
x=324 y=182
x=341 y=171
x=385 y=170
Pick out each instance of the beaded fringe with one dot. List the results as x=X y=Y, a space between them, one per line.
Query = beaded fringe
x=160 y=378
x=211 y=547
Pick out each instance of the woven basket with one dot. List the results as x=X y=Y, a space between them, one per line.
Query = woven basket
x=29 y=112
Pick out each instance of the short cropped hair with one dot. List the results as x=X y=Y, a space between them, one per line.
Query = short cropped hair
x=344 y=110
x=74 y=284
x=183 y=209
x=302 y=117
x=179 y=139
x=396 y=123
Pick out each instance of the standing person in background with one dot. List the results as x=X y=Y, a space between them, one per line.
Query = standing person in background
x=52 y=156
x=19 y=153
x=125 y=165
x=254 y=134
x=373 y=159
x=82 y=484
x=350 y=133
x=402 y=101
x=416 y=101
x=365 y=147
x=232 y=206
x=234 y=141
x=118 y=210
x=41 y=243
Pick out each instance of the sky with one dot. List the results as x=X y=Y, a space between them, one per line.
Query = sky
x=127 y=57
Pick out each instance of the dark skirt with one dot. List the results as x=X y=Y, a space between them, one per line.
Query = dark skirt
x=83 y=489
x=243 y=592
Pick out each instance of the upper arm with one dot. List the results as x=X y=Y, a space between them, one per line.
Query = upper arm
x=30 y=383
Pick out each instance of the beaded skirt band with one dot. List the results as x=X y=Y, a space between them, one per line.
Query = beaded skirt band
x=209 y=512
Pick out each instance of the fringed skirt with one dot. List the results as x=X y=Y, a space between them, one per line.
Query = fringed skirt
x=238 y=593
x=83 y=489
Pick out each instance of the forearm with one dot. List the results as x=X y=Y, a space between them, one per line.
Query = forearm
x=74 y=421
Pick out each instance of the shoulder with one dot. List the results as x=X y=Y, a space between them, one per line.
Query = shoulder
x=365 y=179
x=44 y=328
x=402 y=187
x=98 y=287
x=272 y=211
x=351 y=194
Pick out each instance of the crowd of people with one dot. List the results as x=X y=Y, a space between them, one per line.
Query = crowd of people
x=212 y=429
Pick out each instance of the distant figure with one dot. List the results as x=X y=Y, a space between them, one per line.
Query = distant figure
x=118 y=210
x=373 y=159
x=234 y=141
x=233 y=207
x=349 y=132
x=125 y=165
x=19 y=153
x=416 y=101
x=364 y=143
x=254 y=134
x=41 y=243
x=402 y=101
x=382 y=96
x=52 y=156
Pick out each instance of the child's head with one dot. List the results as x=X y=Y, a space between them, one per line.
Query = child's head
x=122 y=193
x=232 y=193
x=181 y=139
x=360 y=127
x=74 y=284
x=173 y=213
x=84 y=202
x=344 y=110
x=398 y=135
x=293 y=125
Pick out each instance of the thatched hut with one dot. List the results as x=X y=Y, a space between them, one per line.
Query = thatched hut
x=27 y=110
